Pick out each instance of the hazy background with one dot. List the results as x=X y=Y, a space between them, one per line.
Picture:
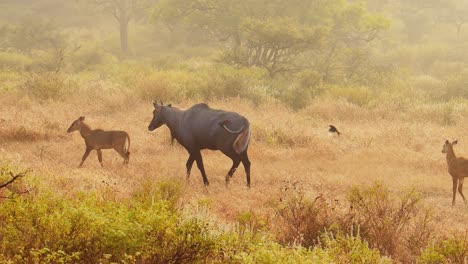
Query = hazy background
x=366 y=52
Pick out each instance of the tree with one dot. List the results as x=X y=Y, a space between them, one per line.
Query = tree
x=455 y=12
x=274 y=43
x=280 y=36
x=123 y=11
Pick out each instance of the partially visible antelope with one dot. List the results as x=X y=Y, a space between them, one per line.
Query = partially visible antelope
x=457 y=168
x=99 y=139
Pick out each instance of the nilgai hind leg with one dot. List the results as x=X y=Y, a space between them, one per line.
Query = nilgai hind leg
x=235 y=163
x=460 y=188
x=246 y=162
x=124 y=154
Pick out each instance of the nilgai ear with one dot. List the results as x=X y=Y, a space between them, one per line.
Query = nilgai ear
x=455 y=142
x=82 y=118
x=447 y=142
x=155 y=104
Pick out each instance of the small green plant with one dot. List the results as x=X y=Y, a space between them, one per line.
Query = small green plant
x=361 y=96
x=450 y=250
x=350 y=249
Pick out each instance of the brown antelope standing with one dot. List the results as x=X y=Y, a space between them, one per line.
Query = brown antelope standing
x=457 y=167
x=99 y=139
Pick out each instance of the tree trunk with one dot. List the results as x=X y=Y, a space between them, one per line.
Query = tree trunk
x=237 y=46
x=124 y=37
x=459 y=27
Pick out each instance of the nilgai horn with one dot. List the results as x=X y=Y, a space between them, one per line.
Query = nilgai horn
x=201 y=127
x=99 y=139
x=457 y=168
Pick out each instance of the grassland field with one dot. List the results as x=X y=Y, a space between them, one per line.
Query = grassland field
x=397 y=149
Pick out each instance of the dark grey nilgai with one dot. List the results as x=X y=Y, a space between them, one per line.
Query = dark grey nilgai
x=201 y=127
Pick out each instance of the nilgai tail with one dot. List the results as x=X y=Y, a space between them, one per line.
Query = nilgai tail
x=99 y=139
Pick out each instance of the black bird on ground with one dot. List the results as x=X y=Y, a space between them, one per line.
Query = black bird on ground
x=333 y=129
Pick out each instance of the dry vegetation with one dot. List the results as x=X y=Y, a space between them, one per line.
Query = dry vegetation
x=287 y=147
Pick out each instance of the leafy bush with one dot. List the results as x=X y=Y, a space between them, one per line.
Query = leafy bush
x=14 y=61
x=48 y=86
x=360 y=96
x=302 y=220
x=457 y=86
x=147 y=228
x=397 y=227
x=87 y=57
x=350 y=249
x=451 y=250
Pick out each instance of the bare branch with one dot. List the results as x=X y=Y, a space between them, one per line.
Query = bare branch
x=14 y=178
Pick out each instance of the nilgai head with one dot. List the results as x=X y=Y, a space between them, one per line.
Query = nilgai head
x=157 y=120
x=447 y=145
x=76 y=124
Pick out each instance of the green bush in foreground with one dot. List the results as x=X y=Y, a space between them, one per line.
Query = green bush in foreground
x=451 y=250
x=152 y=226
x=148 y=227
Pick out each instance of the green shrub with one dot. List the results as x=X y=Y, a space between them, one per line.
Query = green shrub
x=220 y=82
x=360 y=96
x=398 y=227
x=278 y=137
x=48 y=86
x=87 y=57
x=14 y=61
x=350 y=249
x=457 y=85
x=294 y=97
x=451 y=250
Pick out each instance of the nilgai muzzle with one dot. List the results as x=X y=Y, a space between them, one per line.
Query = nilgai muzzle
x=201 y=127
x=99 y=139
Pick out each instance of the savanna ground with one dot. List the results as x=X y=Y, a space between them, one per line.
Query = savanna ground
x=376 y=146
x=391 y=75
x=400 y=150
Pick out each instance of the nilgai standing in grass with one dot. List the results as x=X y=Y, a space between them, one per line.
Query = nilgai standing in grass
x=201 y=127
x=457 y=167
x=99 y=139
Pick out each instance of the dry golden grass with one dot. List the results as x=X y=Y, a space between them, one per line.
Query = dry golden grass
x=376 y=145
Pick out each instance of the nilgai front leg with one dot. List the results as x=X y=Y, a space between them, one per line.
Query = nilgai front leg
x=189 y=165
x=99 y=155
x=455 y=181
x=201 y=167
x=88 y=150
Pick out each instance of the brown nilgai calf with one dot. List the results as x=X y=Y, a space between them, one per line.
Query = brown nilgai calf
x=457 y=168
x=99 y=139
